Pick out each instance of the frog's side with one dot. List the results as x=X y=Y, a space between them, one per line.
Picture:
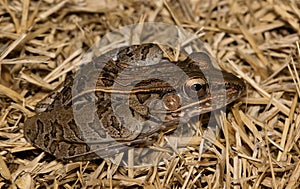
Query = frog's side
x=136 y=95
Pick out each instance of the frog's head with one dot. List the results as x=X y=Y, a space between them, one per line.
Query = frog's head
x=204 y=89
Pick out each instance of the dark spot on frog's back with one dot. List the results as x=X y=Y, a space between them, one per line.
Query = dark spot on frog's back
x=103 y=106
x=53 y=146
x=73 y=127
x=145 y=54
x=114 y=122
x=72 y=150
x=32 y=128
x=46 y=140
x=107 y=79
x=111 y=67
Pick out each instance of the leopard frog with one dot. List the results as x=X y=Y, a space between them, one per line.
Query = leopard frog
x=126 y=98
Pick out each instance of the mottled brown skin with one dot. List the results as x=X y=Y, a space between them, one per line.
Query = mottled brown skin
x=154 y=104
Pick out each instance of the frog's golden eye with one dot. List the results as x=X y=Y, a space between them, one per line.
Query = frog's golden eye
x=195 y=88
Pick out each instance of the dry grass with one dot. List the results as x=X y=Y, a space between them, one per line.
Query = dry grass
x=40 y=41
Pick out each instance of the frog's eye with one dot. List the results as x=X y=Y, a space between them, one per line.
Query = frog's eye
x=195 y=88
